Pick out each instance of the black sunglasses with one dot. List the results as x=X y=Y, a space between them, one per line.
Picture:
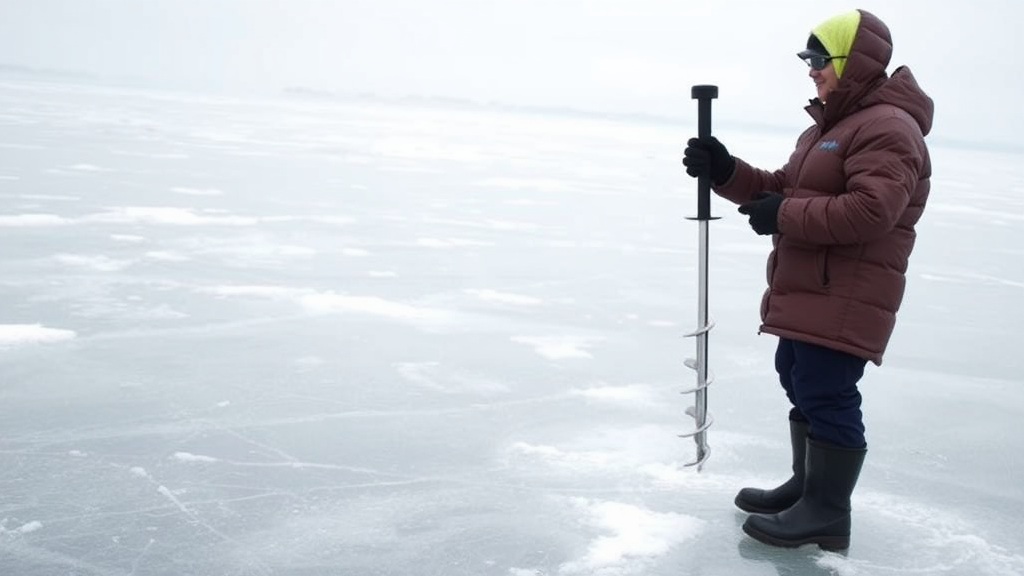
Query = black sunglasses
x=819 y=62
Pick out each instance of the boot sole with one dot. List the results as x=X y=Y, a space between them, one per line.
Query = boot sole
x=830 y=543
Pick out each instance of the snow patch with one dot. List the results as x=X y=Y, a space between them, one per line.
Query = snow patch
x=254 y=291
x=632 y=538
x=14 y=334
x=30 y=527
x=333 y=219
x=837 y=564
x=630 y=394
x=133 y=238
x=189 y=457
x=556 y=348
x=662 y=323
x=954 y=543
x=29 y=220
x=528 y=202
x=449 y=242
x=532 y=184
x=25 y=528
x=88 y=168
x=51 y=197
x=99 y=263
x=504 y=297
x=197 y=191
x=558 y=456
x=329 y=302
x=166 y=256
x=168 y=216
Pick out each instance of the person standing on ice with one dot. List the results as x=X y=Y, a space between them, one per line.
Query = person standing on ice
x=841 y=213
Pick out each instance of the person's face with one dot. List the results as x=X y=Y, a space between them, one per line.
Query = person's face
x=825 y=80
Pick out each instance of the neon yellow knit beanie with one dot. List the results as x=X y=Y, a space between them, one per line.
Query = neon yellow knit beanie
x=836 y=35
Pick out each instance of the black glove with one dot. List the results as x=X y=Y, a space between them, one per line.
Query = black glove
x=708 y=157
x=763 y=212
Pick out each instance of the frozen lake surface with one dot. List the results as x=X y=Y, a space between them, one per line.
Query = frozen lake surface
x=304 y=338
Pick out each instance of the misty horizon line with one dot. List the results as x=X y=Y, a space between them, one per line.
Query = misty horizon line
x=442 y=100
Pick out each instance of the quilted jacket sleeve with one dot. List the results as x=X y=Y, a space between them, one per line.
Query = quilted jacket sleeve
x=746 y=181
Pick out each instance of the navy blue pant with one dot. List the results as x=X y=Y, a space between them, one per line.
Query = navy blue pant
x=821 y=383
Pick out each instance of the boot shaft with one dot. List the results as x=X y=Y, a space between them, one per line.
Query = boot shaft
x=831 y=474
x=798 y=440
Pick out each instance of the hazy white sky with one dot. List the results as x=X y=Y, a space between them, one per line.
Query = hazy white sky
x=616 y=55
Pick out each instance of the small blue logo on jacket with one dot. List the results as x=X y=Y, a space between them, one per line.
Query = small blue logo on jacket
x=828 y=145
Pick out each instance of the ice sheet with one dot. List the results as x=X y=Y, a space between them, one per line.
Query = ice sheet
x=303 y=338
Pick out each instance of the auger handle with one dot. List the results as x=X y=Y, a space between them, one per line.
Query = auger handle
x=704 y=94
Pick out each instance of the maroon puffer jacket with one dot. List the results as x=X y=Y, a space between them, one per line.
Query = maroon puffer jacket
x=854 y=188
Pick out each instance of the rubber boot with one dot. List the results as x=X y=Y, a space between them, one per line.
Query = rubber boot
x=777 y=499
x=822 y=515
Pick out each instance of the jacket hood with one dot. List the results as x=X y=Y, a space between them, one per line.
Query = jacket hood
x=901 y=90
x=864 y=81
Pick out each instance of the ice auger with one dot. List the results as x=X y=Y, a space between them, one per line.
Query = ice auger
x=703 y=94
